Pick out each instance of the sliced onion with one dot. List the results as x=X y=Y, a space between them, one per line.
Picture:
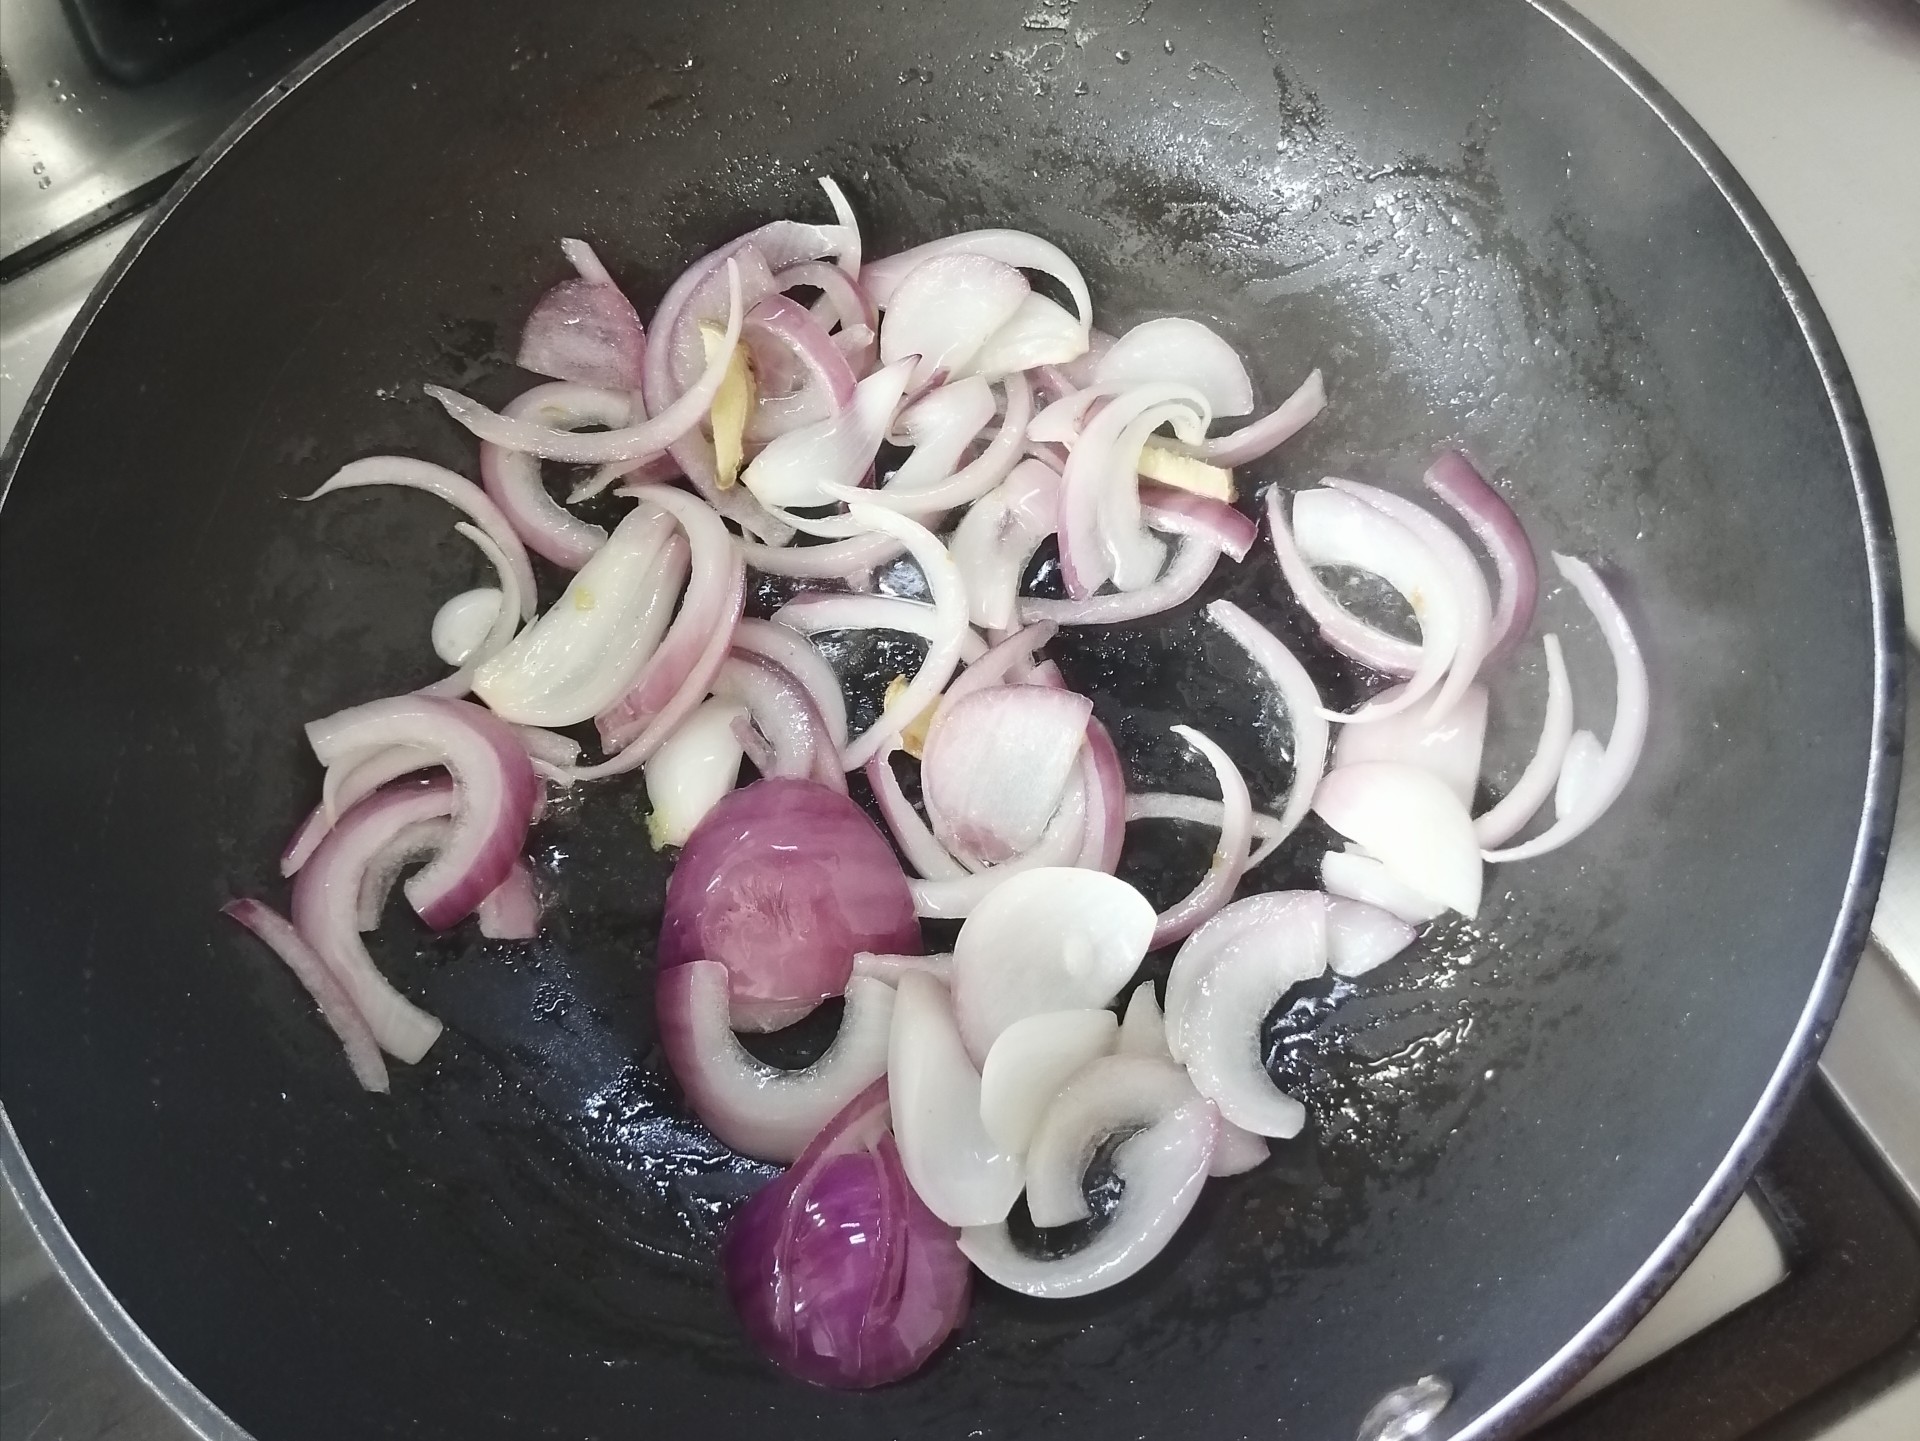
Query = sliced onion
x=812 y=612
x=1200 y=811
x=511 y=910
x=1299 y=697
x=944 y=310
x=1608 y=778
x=693 y=770
x=794 y=654
x=996 y=767
x=1229 y=861
x=978 y=476
x=1039 y=332
x=584 y=330
x=841 y=296
x=1061 y=844
x=757 y=1109
x=654 y=467
x=882 y=278
x=1237 y=1150
x=1102 y=534
x=783 y=882
x=1268 y=433
x=1181 y=512
x=785 y=714
x=963 y=1175
x=492 y=776
x=939 y=426
x=512 y=477
x=1412 y=823
x=1449 y=747
x=1179 y=583
x=1339 y=627
x=1051 y=939
x=1536 y=783
x=1577 y=772
x=1106 y=780
x=1161 y=1170
x=1453 y=478
x=891 y=968
x=1225 y=981
x=1061 y=422
x=460 y=627
x=506 y=617
x=632 y=442
x=1181 y=351
x=1360 y=937
x=836 y=560
x=997 y=537
x=1030 y=1062
x=912 y=834
x=1106 y=1097
x=776 y=327
x=1143 y=1031
x=455 y=490
x=408 y=845
x=1465 y=584
x=797 y=468
x=676 y=676
x=1359 y=877
x=590 y=645
x=336 y=1005
x=848 y=252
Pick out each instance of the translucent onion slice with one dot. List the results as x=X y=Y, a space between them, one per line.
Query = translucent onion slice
x=1051 y=939
x=1269 y=432
x=963 y=1175
x=1359 y=877
x=1038 y=333
x=997 y=537
x=1270 y=922
x=1360 y=936
x=1017 y=248
x=1061 y=844
x=505 y=621
x=584 y=330
x=890 y=968
x=996 y=767
x=1143 y=1031
x=757 y=1109
x=694 y=767
x=1229 y=861
x=336 y=1005
x=1029 y=1063
x=978 y=476
x=795 y=654
x=1179 y=583
x=1184 y=352
x=1449 y=747
x=1521 y=803
x=797 y=468
x=1299 y=698
x=1339 y=627
x=783 y=713
x=461 y=625
x=511 y=910
x=943 y=311
x=1453 y=478
x=1105 y=1097
x=1412 y=823
x=939 y=427
x=1201 y=811
x=512 y=477
x=1102 y=533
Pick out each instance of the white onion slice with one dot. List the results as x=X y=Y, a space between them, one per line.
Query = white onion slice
x=757 y=1109
x=1184 y=352
x=1449 y=747
x=1029 y=1063
x=1229 y=860
x=881 y=278
x=996 y=767
x=1050 y=939
x=978 y=476
x=1359 y=877
x=890 y=969
x=782 y=711
x=1412 y=823
x=1143 y=1031
x=1061 y=844
x=1360 y=936
x=1062 y=419
x=1105 y=1097
x=581 y=655
x=512 y=477
x=1237 y=1150
x=1520 y=804
x=797 y=468
x=1039 y=332
x=997 y=537
x=849 y=257
x=461 y=626
x=944 y=310
x=939 y=427
x=959 y=1171
x=1232 y=989
x=1161 y=1170
x=1339 y=627
x=914 y=837
x=852 y=561
x=1271 y=430
x=336 y=1005
x=1577 y=772
x=505 y=621
x=694 y=767
x=1272 y=923
x=1102 y=533
x=1299 y=697
x=1625 y=741
x=1468 y=587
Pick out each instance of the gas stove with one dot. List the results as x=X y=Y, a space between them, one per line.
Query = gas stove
x=1801 y=1318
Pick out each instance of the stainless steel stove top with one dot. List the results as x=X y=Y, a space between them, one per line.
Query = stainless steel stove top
x=81 y=159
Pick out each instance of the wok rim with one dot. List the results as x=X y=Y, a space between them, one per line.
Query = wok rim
x=1512 y=1414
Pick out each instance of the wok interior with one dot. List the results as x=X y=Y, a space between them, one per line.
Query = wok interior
x=1478 y=233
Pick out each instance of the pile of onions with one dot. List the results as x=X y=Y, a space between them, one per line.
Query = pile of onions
x=795 y=410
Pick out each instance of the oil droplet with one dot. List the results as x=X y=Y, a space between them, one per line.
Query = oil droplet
x=1167 y=45
x=1082 y=88
x=1123 y=56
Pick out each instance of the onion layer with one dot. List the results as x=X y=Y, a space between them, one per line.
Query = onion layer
x=1410 y=821
x=336 y=1005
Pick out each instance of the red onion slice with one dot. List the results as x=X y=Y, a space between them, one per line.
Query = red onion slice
x=757 y=1109
x=912 y=834
x=1357 y=876
x=1412 y=823
x=1017 y=248
x=836 y=560
x=455 y=490
x=997 y=537
x=848 y=249
x=1061 y=844
x=979 y=475
x=963 y=1175
x=1449 y=747
x=1050 y=939
x=506 y=617
x=1333 y=528
x=1200 y=811
x=1339 y=627
x=939 y=426
x=785 y=715
x=1229 y=861
x=1224 y=983
x=797 y=468
x=812 y=612
x=793 y=653
x=1629 y=734
x=693 y=770
x=492 y=777
x=943 y=311
x=1299 y=698
x=1181 y=512
x=411 y=843
x=1030 y=1063
x=1005 y=662
x=1268 y=433
x=891 y=968
x=996 y=767
x=786 y=344
x=676 y=676
x=336 y=1006
x=1360 y=937
x=1464 y=581
x=511 y=911
x=1453 y=478
x=586 y=650
x=841 y=296
x=1536 y=783
x=584 y=330
x=1061 y=422
x=1038 y=333
x=1193 y=562
x=1106 y=780
x=1161 y=1170
x=1102 y=534
x=1183 y=352
x=1105 y=1097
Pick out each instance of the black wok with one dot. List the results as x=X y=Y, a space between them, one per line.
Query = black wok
x=1488 y=229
